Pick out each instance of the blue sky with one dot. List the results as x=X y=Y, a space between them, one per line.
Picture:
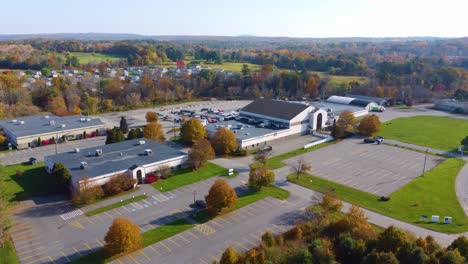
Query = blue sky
x=293 y=18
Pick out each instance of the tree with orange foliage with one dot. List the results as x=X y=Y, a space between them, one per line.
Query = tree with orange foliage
x=57 y=106
x=151 y=117
x=369 y=125
x=221 y=197
x=123 y=236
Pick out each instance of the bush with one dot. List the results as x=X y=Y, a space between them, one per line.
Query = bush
x=268 y=240
x=88 y=195
x=295 y=234
x=19 y=172
x=164 y=172
x=384 y=198
x=119 y=183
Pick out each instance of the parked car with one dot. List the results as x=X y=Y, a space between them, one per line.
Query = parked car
x=369 y=140
x=204 y=109
x=200 y=204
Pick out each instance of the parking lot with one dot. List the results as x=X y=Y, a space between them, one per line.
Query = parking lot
x=136 y=118
x=377 y=169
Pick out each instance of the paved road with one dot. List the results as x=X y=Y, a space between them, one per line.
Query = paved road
x=23 y=155
x=241 y=229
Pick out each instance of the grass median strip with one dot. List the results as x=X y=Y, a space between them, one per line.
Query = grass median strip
x=246 y=199
x=115 y=205
x=7 y=253
x=433 y=194
x=149 y=237
x=184 y=177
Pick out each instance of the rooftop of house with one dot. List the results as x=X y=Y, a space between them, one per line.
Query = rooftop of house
x=46 y=123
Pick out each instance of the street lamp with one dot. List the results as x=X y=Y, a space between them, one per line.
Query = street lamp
x=425 y=157
x=194 y=193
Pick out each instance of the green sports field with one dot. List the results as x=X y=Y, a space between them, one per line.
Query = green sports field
x=443 y=133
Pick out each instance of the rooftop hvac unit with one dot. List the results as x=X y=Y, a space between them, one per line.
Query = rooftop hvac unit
x=63 y=126
x=46 y=117
x=98 y=152
x=88 y=119
x=83 y=165
x=52 y=122
x=141 y=142
x=148 y=152
x=21 y=122
x=77 y=150
x=14 y=120
x=83 y=119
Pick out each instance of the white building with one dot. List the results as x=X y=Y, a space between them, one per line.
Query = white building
x=138 y=157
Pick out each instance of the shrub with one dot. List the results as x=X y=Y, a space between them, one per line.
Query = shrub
x=268 y=240
x=261 y=177
x=164 y=172
x=19 y=172
x=119 y=183
x=384 y=198
x=88 y=195
x=295 y=234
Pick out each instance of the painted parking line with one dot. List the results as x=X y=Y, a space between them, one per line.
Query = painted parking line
x=79 y=254
x=224 y=220
x=109 y=215
x=250 y=241
x=203 y=261
x=23 y=236
x=24 y=245
x=76 y=224
x=173 y=195
x=65 y=256
x=19 y=228
x=99 y=242
x=42 y=258
x=146 y=202
x=157 y=252
x=205 y=229
x=100 y=218
x=28 y=251
x=183 y=238
x=86 y=245
x=155 y=198
x=21 y=231
x=241 y=246
x=167 y=199
x=143 y=253
x=192 y=234
x=173 y=242
x=164 y=245
x=216 y=223
x=128 y=210
x=90 y=221
x=32 y=256
x=131 y=257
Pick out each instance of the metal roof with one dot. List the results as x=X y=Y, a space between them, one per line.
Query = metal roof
x=248 y=131
x=339 y=99
x=275 y=108
x=377 y=100
x=115 y=157
x=47 y=123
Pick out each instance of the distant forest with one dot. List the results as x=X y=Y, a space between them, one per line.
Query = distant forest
x=411 y=70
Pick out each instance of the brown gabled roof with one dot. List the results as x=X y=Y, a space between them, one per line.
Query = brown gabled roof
x=275 y=108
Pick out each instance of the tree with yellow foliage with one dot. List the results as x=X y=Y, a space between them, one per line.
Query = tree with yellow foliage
x=123 y=236
x=369 y=125
x=154 y=131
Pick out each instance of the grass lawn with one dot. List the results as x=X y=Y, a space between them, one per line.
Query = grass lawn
x=115 y=205
x=433 y=194
x=33 y=180
x=184 y=177
x=87 y=57
x=436 y=132
x=276 y=161
x=246 y=199
x=149 y=237
x=8 y=254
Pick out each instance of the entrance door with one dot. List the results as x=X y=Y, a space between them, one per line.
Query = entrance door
x=139 y=177
x=319 y=121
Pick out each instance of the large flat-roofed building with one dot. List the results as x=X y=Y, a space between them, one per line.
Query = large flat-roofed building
x=137 y=157
x=24 y=132
x=266 y=120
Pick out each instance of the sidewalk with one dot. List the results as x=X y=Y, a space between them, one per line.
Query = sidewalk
x=145 y=188
x=422 y=148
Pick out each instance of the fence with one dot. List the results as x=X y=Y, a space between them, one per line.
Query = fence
x=325 y=137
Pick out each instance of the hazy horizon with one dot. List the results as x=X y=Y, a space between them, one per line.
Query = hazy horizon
x=261 y=18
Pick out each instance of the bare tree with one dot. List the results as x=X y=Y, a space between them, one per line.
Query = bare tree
x=262 y=156
x=300 y=167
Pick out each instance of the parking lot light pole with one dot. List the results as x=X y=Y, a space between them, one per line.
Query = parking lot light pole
x=194 y=193
x=425 y=157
